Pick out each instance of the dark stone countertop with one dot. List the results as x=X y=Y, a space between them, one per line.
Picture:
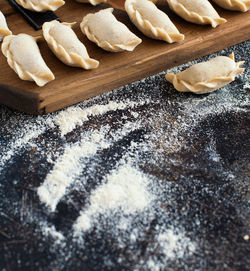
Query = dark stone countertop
x=195 y=151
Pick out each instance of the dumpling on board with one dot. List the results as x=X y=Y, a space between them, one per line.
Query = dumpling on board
x=41 y=5
x=24 y=57
x=4 y=30
x=151 y=21
x=239 y=5
x=64 y=43
x=207 y=76
x=196 y=11
x=96 y=2
x=107 y=32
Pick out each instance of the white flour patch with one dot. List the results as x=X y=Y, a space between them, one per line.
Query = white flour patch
x=125 y=190
x=72 y=117
x=65 y=170
x=118 y=174
x=69 y=166
x=175 y=244
x=172 y=244
x=246 y=85
x=51 y=231
x=25 y=136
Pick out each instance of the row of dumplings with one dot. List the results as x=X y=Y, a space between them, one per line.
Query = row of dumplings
x=24 y=57
x=190 y=5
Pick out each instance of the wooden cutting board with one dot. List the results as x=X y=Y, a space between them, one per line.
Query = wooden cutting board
x=73 y=85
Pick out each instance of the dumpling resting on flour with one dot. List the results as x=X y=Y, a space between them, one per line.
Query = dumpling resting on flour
x=207 y=76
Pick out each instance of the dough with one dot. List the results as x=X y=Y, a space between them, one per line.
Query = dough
x=24 y=57
x=207 y=76
x=151 y=21
x=64 y=43
x=4 y=30
x=96 y=2
x=196 y=11
x=41 y=5
x=108 y=33
x=240 y=5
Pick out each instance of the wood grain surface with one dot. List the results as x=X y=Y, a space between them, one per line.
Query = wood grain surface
x=73 y=85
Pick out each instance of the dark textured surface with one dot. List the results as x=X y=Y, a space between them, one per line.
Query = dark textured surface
x=207 y=196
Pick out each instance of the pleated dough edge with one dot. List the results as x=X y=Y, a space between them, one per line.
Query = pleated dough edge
x=157 y=33
x=71 y=58
x=24 y=75
x=205 y=87
x=54 y=5
x=106 y=45
x=200 y=19
x=4 y=33
x=241 y=6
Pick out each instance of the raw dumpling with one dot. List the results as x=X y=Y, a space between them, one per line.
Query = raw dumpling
x=240 y=5
x=41 y=5
x=108 y=33
x=64 y=43
x=207 y=76
x=196 y=11
x=96 y=2
x=4 y=30
x=24 y=57
x=151 y=21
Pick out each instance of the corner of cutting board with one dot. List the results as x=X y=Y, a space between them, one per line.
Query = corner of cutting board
x=20 y=99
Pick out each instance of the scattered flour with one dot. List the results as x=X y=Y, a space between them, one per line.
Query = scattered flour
x=25 y=136
x=126 y=189
x=65 y=170
x=69 y=166
x=173 y=245
x=51 y=231
x=68 y=119
x=246 y=85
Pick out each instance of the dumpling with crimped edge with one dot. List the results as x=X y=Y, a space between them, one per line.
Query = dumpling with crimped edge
x=4 y=30
x=41 y=5
x=151 y=21
x=24 y=57
x=64 y=43
x=207 y=76
x=238 y=5
x=196 y=11
x=107 y=32
x=96 y=2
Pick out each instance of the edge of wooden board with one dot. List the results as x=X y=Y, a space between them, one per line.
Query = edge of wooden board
x=206 y=43
x=137 y=70
x=20 y=99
